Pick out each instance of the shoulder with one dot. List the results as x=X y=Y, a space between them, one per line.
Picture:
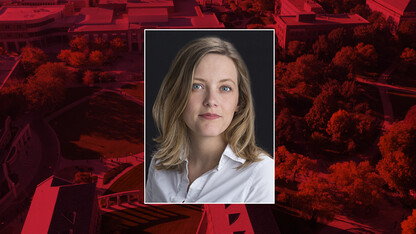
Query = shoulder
x=261 y=183
x=265 y=165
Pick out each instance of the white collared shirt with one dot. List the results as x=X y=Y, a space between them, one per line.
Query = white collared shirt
x=253 y=183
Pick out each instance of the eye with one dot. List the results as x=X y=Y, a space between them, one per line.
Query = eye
x=225 y=88
x=196 y=86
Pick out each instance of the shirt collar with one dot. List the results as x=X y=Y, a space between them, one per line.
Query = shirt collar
x=228 y=152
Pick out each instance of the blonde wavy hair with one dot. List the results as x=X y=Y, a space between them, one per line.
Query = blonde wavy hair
x=173 y=96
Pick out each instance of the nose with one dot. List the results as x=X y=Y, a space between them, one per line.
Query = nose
x=210 y=98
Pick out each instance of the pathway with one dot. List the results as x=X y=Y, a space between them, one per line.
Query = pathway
x=383 y=89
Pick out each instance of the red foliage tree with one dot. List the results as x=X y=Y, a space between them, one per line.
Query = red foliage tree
x=289 y=165
x=78 y=59
x=285 y=128
x=64 y=56
x=316 y=199
x=79 y=43
x=44 y=92
x=356 y=186
x=409 y=225
x=89 y=77
x=32 y=58
x=97 y=58
x=398 y=163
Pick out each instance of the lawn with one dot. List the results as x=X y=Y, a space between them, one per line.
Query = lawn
x=401 y=103
x=105 y=126
x=132 y=180
x=153 y=219
x=135 y=90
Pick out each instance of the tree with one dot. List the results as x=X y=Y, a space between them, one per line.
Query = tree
x=117 y=44
x=356 y=186
x=99 y=44
x=55 y=70
x=367 y=55
x=364 y=33
x=324 y=105
x=79 y=43
x=411 y=116
x=337 y=38
x=32 y=57
x=357 y=58
x=12 y=99
x=78 y=59
x=89 y=78
x=44 y=92
x=409 y=225
x=296 y=48
x=408 y=55
x=346 y=58
x=316 y=199
x=267 y=5
x=307 y=68
x=340 y=126
x=407 y=60
x=289 y=165
x=320 y=47
x=285 y=127
x=64 y=56
x=97 y=58
x=351 y=130
x=398 y=163
x=407 y=33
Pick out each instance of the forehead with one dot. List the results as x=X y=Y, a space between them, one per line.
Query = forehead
x=216 y=66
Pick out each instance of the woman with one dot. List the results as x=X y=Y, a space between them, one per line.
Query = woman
x=205 y=116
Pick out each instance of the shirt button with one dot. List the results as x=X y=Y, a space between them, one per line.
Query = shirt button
x=183 y=201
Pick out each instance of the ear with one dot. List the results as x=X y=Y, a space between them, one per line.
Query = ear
x=237 y=109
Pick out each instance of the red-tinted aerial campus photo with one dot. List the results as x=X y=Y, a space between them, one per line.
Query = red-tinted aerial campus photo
x=72 y=116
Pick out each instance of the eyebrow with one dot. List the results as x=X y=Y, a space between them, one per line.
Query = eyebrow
x=221 y=81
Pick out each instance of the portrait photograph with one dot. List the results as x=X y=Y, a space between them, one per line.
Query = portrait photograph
x=209 y=116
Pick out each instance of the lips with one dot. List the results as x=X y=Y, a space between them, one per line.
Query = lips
x=209 y=116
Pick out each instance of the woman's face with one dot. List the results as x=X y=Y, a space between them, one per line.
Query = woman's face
x=214 y=97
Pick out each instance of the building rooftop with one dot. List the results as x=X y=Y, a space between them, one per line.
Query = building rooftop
x=44 y=1
x=399 y=6
x=139 y=15
x=149 y=3
x=115 y=25
x=300 y=4
x=325 y=19
x=104 y=2
x=23 y=13
x=95 y=15
x=58 y=206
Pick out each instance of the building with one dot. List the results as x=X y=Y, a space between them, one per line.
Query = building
x=308 y=26
x=294 y=7
x=33 y=25
x=99 y=22
x=395 y=11
x=59 y=206
x=126 y=19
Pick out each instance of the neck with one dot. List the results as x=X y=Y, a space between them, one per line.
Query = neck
x=207 y=150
